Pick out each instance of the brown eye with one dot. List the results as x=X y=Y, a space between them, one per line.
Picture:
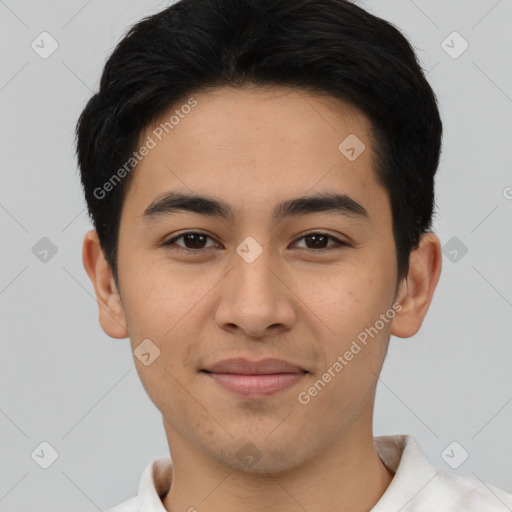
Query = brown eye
x=192 y=241
x=319 y=241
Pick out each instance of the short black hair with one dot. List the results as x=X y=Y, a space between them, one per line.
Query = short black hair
x=331 y=47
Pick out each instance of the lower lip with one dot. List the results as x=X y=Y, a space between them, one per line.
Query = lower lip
x=256 y=385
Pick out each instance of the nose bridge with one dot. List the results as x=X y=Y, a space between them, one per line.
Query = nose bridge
x=252 y=272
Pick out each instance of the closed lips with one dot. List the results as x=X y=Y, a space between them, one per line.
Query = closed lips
x=255 y=379
x=243 y=366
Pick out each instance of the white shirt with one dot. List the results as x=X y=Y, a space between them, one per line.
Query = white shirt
x=417 y=486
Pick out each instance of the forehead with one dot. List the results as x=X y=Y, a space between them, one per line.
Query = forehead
x=256 y=147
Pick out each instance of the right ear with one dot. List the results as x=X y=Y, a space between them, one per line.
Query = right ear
x=112 y=316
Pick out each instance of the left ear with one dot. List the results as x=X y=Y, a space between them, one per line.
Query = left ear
x=417 y=288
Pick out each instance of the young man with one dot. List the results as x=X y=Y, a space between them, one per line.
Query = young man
x=260 y=175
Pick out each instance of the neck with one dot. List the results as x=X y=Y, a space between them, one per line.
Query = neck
x=346 y=476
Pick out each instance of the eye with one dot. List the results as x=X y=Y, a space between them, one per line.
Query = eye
x=318 y=241
x=194 y=241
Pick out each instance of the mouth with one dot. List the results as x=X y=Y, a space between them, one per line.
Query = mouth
x=254 y=378
x=255 y=385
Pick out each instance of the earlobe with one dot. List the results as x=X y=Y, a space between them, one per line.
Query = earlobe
x=417 y=288
x=111 y=311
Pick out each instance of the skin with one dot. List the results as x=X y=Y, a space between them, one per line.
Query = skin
x=254 y=148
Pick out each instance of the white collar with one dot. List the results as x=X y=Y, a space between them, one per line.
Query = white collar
x=417 y=485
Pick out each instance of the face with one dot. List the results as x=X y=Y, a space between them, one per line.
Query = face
x=304 y=286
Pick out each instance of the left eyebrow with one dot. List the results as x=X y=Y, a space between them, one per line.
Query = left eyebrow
x=169 y=203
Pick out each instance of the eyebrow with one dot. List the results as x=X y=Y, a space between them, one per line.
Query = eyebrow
x=330 y=202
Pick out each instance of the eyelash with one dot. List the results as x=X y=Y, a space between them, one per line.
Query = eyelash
x=338 y=243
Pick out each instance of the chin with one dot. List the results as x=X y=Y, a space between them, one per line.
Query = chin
x=259 y=455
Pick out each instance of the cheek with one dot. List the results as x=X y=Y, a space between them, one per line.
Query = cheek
x=158 y=308
x=359 y=318
x=349 y=301
x=171 y=373
x=157 y=298
x=348 y=380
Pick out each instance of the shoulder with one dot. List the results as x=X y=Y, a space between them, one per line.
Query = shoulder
x=419 y=486
x=126 y=506
x=470 y=494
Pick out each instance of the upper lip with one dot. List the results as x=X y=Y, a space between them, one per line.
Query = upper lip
x=244 y=366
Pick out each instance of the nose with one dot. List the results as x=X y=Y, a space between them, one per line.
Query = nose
x=255 y=297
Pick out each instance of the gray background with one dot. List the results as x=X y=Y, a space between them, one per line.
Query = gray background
x=63 y=381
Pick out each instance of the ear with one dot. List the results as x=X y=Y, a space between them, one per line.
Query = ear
x=112 y=317
x=417 y=288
